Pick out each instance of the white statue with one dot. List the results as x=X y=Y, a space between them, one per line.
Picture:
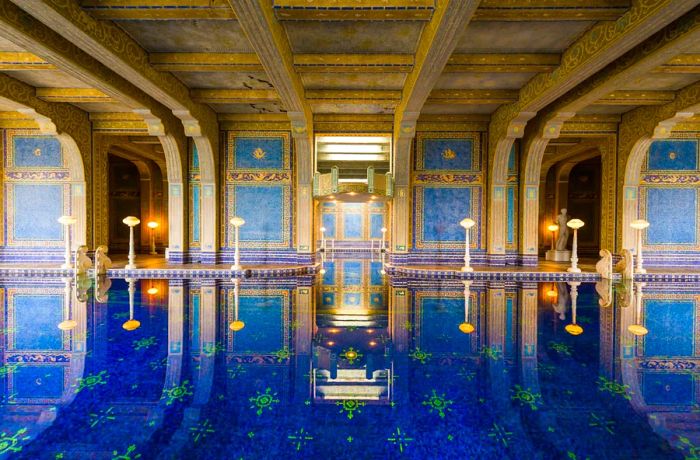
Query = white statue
x=82 y=261
x=102 y=261
x=102 y=285
x=562 y=300
x=626 y=264
x=604 y=265
x=563 y=238
x=83 y=284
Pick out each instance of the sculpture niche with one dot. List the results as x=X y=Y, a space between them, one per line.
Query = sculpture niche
x=560 y=253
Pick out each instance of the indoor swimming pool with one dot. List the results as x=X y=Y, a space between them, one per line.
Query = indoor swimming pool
x=348 y=364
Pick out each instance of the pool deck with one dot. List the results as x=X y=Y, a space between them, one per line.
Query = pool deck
x=158 y=268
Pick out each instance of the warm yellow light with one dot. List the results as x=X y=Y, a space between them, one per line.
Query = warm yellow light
x=131 y=221
x=466 y=328
x=370 y=331
x=330 y=343
x=639 y=224
x=67 y=325
x=332 y=197
x=152 y=290
x=573 y=329
x=384 y=230
x=236 y=326
x=467 y=223
x=322 y=271
x=333 y=330
x=638 y=329
x=372 y=343
x=350 y=354
x=551 y=293
x=131 y=325
x=552 y=227
x=352 y=193
x=351 y=148
x=152 y=224
x=575 y=224
x=237 y=221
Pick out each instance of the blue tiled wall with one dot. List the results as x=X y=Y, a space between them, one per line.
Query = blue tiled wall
x=353 y=221
x=673 y=326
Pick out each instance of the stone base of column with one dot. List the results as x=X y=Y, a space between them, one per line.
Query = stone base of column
x=557 y=256
x=208 y=257
x=496 y=260
x=528 y=260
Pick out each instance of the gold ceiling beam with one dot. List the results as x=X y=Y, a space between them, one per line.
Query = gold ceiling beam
x=340 y=10
x=502 y=63
x=234 y=96
x=158 y=9
x=353 y=62
x=472 y=96
x=72 y=95
x=206 y=62
x=11 y=60
x=685 y=63
x=637 y=98
x=118 y=122
x=384 y=97
x=547 y=10
x=16 y=120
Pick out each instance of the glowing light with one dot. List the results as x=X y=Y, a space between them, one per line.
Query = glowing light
x=467 y=223
x=330 y=343
x=372 y=343
x=575 y=224
x=639 y=224
x=237 y=221
x=466 y=328
x=152 y=290
x=552 y=227
x=573 y=329
x=236 y=326
x=67 y=325
x=153 y=224
x=131 y=325
x=551 y=293
x=131 y=221
x=637 y=329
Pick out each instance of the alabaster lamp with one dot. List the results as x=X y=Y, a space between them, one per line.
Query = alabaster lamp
x=153 y=225
x=236 y=325
x=639 y=225
x=573 y=328
x=67 y=324
x=553 y=228
x=131 y=324
x=466 y=327
x=323 y=238
x=383 y=238
x=467 y=224
x=237 y=223
x=132 y=222
x=574 y=224
x=638 y=329
x=67 y=222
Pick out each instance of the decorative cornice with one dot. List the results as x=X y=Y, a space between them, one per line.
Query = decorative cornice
x=11 y=60
x=562 y=10
x=636 y=98
x=502 y=63
x=339 y=10
x=472 y=96
x=205 y=62
x=72 y=95
x=148 y=10
x=234 y=96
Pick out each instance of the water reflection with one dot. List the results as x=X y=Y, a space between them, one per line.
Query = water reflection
x=349 y=364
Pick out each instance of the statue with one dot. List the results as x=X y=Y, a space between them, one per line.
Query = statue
x=83 y=284
x=563 y=238
x=626 y=265
x=82 y=261
x=604 y=265
x=102 y=261
x=604 y=290
x=562 y=300
x=102 y=285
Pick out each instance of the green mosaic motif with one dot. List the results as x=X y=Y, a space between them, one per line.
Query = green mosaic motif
x=500 y=434
x=300 y=438
x=262 y=401
x=211 y=349
x=408 y=326
x=492 y=353
x=400 y=439
x=101 y=416
x=438 y=403
x=282 y=354
x=178 y=393
x=601 y=422
x=10 y=442
x=145 y=343
x=420 y=355
x=526 y=397
x=8 y=369
x=616 y=389
x=546 y=369
x=692 y=452
x=350 y=406
x=560 y=347
x=351 y=355
x=91 y=381
x=129 y=454
x=201 y=430
x=235 y=372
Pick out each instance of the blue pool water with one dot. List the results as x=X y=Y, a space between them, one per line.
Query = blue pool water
x=351 y=365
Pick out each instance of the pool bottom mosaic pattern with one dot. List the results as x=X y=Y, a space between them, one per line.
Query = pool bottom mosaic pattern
x=151 y=369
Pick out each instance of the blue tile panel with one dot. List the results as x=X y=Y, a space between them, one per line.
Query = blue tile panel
x=328 y=221
x=673 y=215
x=352 y=273
x=258 y=153
x=352 y=226
x=440 y=318
x=264 y=331
x=447 y=154
x=39 y=382
x=196 y=200
x=661 y=389
x=36 y=317
x=673 y=155
x=36 y=209
x=262 y=208
x=671 y=325
x=376 y=223
x=443 y=209
x=36 y=152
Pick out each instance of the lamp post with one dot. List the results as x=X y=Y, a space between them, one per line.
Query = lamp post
x=466 y=327
x=573 y=328
x=153 y=225
x=553 y=228
x=236 y=325
x=132 y=222
x=237 y=223
x=67 y=324
x=67 y=222
x=131 y=324
x=323 y=238
x=638 y=329
x=574 y=224
x=383 y=237
x=639 y=225
x=467 y=223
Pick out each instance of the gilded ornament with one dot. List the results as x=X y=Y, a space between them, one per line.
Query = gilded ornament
x=259 y=153
x=449 y=154
x=37 y=152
